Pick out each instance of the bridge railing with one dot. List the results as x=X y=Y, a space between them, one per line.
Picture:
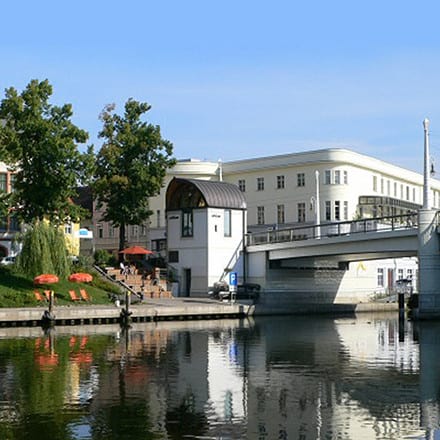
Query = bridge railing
x=377 y=224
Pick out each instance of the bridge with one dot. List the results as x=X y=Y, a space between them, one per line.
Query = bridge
x=366 y=239
x=307 y=266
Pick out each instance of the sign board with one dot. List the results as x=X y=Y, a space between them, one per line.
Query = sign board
x=84 y=233
x=233 y=281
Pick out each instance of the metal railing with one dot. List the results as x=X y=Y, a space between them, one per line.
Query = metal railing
x=377 y=224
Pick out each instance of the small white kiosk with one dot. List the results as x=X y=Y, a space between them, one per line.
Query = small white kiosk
x=206 y=222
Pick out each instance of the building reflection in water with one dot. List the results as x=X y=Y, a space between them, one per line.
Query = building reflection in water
x=272 y=378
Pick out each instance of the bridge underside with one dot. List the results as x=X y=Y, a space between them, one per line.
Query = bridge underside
x=332 y=261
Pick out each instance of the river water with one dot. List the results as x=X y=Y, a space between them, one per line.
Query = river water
x=357 y=377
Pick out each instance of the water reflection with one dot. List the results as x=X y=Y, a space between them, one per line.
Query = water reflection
x=369 y=376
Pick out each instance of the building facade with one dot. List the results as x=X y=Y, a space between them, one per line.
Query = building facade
x=292 y=190
x=9 y=225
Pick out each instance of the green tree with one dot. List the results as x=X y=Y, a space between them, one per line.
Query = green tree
x=39 y=141
x=130 y=167
x=44 y=251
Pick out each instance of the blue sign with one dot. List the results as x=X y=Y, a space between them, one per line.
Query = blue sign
x=233 y=278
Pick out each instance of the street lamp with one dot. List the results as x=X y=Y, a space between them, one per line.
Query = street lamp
x=314 y=203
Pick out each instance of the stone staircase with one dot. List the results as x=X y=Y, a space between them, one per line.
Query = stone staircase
x=147 y=287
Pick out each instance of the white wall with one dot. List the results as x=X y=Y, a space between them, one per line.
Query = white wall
x=208 y=252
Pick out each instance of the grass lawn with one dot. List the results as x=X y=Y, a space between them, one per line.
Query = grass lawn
x=18 y=291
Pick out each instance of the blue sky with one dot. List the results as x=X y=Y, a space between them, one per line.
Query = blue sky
x=238 y=79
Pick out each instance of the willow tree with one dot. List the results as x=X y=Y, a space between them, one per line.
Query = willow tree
x=130 y=167
x=40 y=143
x=44 y=251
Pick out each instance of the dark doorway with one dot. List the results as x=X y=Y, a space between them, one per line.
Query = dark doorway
x=187 y=285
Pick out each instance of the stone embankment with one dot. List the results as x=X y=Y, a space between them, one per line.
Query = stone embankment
x=149 y=310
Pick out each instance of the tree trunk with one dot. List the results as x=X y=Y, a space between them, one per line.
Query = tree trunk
x=121 y=240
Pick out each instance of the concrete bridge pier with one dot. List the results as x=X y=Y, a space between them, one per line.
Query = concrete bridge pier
x=429 y=265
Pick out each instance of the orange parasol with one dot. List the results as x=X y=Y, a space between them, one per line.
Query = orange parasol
x=80 y=277
x=46 y=278
x=136 y=250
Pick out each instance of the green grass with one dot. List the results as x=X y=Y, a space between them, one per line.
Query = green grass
x=18 y=291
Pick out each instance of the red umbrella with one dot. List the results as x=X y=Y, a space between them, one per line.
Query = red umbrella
x=46 y=278
x=136 y=250
x=80 y=277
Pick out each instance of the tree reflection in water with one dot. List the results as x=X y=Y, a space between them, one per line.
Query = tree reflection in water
x=271 y=378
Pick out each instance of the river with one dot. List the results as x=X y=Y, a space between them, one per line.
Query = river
x=291 y=377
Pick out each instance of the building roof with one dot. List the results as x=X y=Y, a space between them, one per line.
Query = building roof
x=194 y=193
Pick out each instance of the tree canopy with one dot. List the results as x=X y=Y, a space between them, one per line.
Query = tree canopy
x=131 y=165
x=39 y=142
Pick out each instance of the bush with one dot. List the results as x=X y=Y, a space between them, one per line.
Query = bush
x=102 y=258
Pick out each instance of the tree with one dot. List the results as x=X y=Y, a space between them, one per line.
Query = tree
x=130 y=167
x=39 y=142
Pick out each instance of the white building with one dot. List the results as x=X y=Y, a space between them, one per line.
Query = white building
x=281 y=191
x=206 y=222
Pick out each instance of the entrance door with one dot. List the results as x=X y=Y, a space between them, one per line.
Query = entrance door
x=187 y=285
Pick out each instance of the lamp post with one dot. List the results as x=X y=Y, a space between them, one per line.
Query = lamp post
x=317 y=206
x=426 y=169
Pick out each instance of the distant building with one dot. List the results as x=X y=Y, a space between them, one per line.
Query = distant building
x=9 y=225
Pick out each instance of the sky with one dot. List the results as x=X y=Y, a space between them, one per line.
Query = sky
x=238 y=79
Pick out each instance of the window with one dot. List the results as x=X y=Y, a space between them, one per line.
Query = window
x=374 y=183
x=3 y=182
x=12 y=179
x=345 y=177
x=111 y=231
x=395 y=189
x=388 y=187
x=187 y=223
x=260 y=183
x=381 y=186
x=13 y=223
x=345 y=210
x=400 y=274
x=327 y=177
x=380 y=277
x=173 y=256
x=407 y=193
x=158 y=218
x=337 y=210
x=401 y=191
x=242 y=185
x=301 y=212
x=68 y=228
x=409 y=274
x=328 y=210
x=280 y=214
x=100 y=231
x=143 y=230
x=300 y=179
x=414 y=195
x=280 y=182
x=227 y=223
x=134 y=231
x=337 y=177
x=260 y=215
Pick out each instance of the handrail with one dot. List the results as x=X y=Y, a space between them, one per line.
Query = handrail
x=112 y=280
x=234 y=258
x=366 y=225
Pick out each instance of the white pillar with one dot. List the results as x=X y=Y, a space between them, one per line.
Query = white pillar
x=429 y=250
x=429 y=264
